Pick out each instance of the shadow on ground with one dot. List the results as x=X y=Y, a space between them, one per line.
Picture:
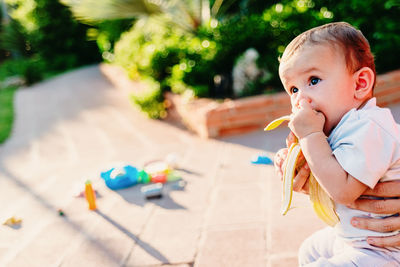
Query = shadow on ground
x=267 y=141
x=134 y=196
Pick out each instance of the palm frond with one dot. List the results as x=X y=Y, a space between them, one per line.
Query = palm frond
x=91 y=11
x=187 y=14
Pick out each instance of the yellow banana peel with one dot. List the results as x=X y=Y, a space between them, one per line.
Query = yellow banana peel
x=323 y=205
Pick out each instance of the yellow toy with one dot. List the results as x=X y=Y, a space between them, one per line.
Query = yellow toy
x=12 y=221
x=90 y=195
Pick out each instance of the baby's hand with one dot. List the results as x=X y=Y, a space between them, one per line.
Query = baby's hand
x=304 y=120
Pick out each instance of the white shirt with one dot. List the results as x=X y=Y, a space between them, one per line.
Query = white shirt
x=366 y=143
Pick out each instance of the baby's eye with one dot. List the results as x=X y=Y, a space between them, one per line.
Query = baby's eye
x=294 y=90
x=314 y=80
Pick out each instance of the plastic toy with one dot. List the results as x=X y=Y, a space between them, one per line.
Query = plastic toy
x=262 y=160
x=153 y=190
x=157 y=171
x=81 y=194
x=173 y=176
x=179 y=185
x=172 y=160
x=123 y=177
x=12 y=221
x=159 y=178
x=90 y=195
x=156 y=167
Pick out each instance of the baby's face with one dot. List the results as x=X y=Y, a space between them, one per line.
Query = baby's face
x=318 y=73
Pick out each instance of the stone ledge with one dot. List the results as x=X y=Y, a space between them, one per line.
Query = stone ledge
x=210 y=119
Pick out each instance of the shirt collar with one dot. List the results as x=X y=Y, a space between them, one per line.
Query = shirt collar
x=370 y=103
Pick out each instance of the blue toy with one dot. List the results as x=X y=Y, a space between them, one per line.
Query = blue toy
x=262 y=160
x=123 y=177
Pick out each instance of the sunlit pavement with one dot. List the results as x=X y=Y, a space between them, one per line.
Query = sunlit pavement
x=74 y=126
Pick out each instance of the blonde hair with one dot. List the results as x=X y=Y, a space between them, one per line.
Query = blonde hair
x=355 y=46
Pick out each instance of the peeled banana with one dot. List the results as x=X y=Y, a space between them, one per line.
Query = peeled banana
x=322 y=203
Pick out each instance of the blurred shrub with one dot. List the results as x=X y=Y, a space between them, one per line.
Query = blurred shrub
x=202 y=61
x=379 y=21
x=44 y=29
x=58 y=39
x=107 y=33
x=155 y=52
x=13 y=39
x=150 y=100
x=6 y=112
x=30 y=69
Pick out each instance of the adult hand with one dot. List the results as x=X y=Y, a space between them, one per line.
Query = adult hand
x=386 y=206
x=300 y=182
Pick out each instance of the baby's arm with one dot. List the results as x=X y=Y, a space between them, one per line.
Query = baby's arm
x=341 y=186
x=308 y=124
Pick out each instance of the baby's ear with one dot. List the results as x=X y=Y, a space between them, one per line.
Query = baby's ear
x=364 y=79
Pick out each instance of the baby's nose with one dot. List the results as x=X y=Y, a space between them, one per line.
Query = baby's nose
x=299 y=99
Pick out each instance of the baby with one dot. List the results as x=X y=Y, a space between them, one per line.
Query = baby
x=349 y=143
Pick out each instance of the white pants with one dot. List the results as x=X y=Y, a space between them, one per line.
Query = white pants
x=323 y=249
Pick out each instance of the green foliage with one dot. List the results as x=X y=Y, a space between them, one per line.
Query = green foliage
x=378 y=20
x=150 y=100
x=45 y=29
x=6 y=112
x=199 y=56
x=59 y=40
x=31 y=69
x=107 y=33
x=179 y=60
x=268 y=33
x=13 y=39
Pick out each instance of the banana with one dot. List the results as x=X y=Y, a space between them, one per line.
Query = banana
x=321 y=202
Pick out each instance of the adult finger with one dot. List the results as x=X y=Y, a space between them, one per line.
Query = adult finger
x=384 y=206
x=385 y=189
x=378 y=225
x=388 y=241
x=301 y=178
x=305 y=189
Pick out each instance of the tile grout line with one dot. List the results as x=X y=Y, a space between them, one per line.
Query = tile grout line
x=268 y=232
x=211 y=199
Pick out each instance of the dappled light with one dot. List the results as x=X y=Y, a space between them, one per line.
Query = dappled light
x=90 y=86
